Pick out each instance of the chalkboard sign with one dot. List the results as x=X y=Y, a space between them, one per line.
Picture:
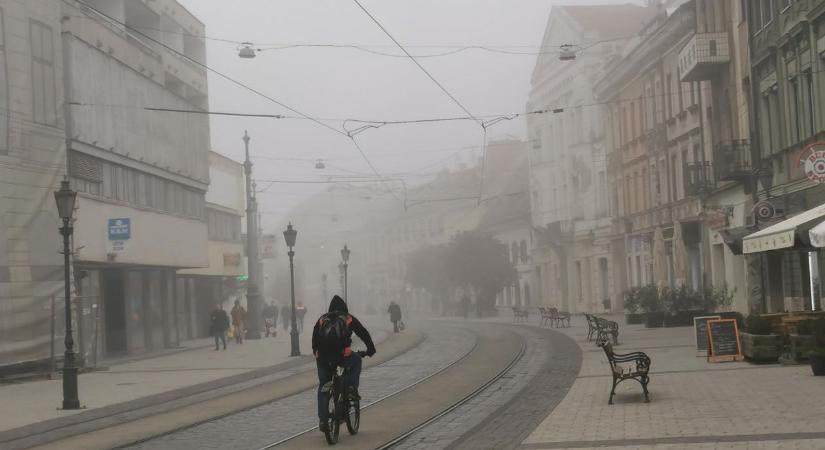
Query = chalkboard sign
x=700 y=332
x=723 y=340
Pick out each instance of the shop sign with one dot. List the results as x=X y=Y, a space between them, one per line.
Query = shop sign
x=119 y=231
x=232 y=259
x=812 y=162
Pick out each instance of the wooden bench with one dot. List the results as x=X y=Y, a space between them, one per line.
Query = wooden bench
x=628 y=366
x=520 y=315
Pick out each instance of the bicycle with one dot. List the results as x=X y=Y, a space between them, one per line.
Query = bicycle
x=341 y=408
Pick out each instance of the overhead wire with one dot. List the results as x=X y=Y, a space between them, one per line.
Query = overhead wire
x=233 y=81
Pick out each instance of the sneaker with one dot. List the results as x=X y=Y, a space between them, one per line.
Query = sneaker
x=323 y=426
x=353 y=393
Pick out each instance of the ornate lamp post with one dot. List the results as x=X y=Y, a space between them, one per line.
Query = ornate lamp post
x=253 y=284
x=290 y=234
x=65 y=199
x=345 y=257
x=341 y=274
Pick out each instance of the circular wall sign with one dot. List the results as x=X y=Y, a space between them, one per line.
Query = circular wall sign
x=812 y=161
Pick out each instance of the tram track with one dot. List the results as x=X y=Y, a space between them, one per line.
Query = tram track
x=494 y=354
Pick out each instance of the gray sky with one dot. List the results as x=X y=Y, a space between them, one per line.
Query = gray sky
x=348 y=83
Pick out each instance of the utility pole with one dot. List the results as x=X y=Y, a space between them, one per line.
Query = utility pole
x=253 y=262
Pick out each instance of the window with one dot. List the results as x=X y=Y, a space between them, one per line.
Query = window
x=44 y=101
x=794 y=131
x=4 y=91
x=808 y=103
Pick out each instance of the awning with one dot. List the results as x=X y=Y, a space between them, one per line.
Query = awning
x=732 y=237
x=817 y=235
x=783 y=234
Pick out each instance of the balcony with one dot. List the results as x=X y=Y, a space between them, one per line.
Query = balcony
x=698 y=178
x=732 y=160
x=704 y=56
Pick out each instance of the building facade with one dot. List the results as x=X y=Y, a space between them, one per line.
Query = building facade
x=32 y=164
x=141 y=175
x=572 y=267
x=201 y=289
x=787 y=48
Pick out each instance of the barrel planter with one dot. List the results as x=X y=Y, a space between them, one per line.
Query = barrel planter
x=801 y=346
x=634 y=318
x=680 y=319
x=761 y=348
x=817 y=359
x=655 y=319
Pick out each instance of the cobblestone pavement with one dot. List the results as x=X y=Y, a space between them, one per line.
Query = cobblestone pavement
x=694 y=404
x=260 y=426
x=504 y=413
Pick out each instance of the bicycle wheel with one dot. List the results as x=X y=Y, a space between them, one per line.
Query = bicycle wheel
x=353 y=417
x=333 y=424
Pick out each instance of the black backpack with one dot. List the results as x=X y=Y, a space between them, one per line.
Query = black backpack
x=333 y=333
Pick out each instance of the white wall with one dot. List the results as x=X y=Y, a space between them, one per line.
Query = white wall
x=157 y=239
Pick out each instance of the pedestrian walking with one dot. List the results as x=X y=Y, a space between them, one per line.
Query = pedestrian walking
x=300 y=313
x=285 y=316
x=269 y=314
x=218 y=324
x=239 y=321
x=395 y=316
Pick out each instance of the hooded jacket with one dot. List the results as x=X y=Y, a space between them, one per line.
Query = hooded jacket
x=337 y=304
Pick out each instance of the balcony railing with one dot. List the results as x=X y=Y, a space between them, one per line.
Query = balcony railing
x=732 y=160
x=703 y=56
x=699 y=178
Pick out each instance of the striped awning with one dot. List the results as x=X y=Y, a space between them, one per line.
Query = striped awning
x=783 y=234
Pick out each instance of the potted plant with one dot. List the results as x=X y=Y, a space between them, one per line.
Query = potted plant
x=606 y=304
x=651 y=304
x=682 y=305
x=759 y=344
x=631 y=307
x=817 y=355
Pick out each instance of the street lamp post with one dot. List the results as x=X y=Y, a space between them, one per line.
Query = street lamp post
x=290 y=234
x=65 y=199
x=253 y=263
x=345 y=257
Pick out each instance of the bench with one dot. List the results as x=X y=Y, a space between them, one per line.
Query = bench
x=628 y=366
x=561 y=317
x=520 y=315
x=553 y=317
x=605 y=328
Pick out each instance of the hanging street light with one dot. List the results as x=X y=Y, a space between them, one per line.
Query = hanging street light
x=65 y=199
x=246 y=51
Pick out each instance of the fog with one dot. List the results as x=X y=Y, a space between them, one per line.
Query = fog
x=340 y=83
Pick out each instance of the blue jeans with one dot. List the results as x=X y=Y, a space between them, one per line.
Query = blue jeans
x=325 y=373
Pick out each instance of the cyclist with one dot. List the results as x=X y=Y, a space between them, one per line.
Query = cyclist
x=331 y=345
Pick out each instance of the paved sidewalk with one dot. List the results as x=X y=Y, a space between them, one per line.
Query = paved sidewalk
x=694 y=404
x=37 y=401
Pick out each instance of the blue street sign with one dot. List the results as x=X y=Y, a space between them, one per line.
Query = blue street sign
x=120 y=229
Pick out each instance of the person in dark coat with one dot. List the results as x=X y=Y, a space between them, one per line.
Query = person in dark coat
x=300 y=313
x=218 y=324
x=327 y=360
x=395 y=315
x=239 y=321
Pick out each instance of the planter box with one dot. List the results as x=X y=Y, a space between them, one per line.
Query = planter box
x=761 y=348
x=818 y=365
x=634 y=318
x=801 y=345
x=681 y=318
x=655 y=319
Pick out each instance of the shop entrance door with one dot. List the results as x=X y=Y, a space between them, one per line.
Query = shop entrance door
x=115 y=311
